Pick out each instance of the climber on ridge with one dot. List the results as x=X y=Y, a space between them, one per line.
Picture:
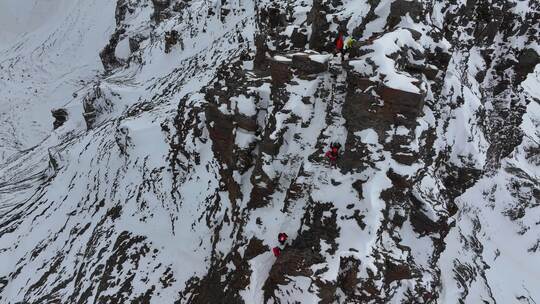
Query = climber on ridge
x=333 y=153
x=282 y=238
x=339 y=45
x=349 y=44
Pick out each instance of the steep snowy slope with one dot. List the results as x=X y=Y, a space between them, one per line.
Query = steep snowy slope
x=49 y=50
x=197 y=133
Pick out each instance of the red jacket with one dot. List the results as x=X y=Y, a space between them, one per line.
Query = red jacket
x=332 y=154
x=276 y=251
x=339 y=42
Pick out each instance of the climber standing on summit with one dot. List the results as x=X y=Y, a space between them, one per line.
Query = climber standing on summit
x=340 y=45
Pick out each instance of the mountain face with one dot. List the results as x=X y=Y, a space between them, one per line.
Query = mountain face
x=151 y=151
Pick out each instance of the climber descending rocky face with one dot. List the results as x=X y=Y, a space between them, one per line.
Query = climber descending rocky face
x=339 y=45
x=282 y=238
x=333 y=153
x=339 y=42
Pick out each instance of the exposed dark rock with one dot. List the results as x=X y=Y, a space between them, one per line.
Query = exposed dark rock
x=292 y=262
x=89 y=115
x=263 y=187
x=431 y=72
x=396 y=272
x=439 y=58
x=245 y=122
x=260 y=61
x=422 y=224
x=306 y=66
x=355 y=153
x=160 y=9
x=319 y=39
x=122 y=8
x=400 y=106
x=527 y=60
x=391 y=107
x=281 y=72
x=107 y=55
x=399 y=147
x=60 y=117
x=95 y=103
x=456 y=180
x=369 y=17
x=254 y=248
x=212 y=288
x=357 y=82
x=298 y=39
x=134 y=43
x=221 y=133
x=348 y=280
x=54 y=162
x=109 y=270
x=401 y=8
x=273 y=17
x=305 y=250
x=123 y=139
x=171 y=39
x=220 y=127
x=127 y=248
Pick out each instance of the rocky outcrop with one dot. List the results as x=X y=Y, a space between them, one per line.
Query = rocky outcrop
x=404 y=107
x=89 y=114
x=225 y=148
x=123 y=140
x=528 y=59
x=260 y=61
x=299 y=39
x=320 y=39
x=298 y=258
x=305 y=65
x=402 y=8
x=60 y=117
x=281 y=72
x=160 y=9
x=387 y=107
x=171 y=39
x=95 y=103
x=107 y=55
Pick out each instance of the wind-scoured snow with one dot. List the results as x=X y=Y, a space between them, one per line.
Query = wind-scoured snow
x=196 y=131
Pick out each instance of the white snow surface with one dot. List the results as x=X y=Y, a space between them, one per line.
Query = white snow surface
x=164 y=200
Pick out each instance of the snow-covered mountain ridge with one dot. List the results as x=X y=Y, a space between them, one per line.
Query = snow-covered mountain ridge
x=188 y=134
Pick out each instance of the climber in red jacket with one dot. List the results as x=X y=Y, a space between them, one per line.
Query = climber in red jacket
x=282 y=238
x=339 y=45
x=333 y=153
